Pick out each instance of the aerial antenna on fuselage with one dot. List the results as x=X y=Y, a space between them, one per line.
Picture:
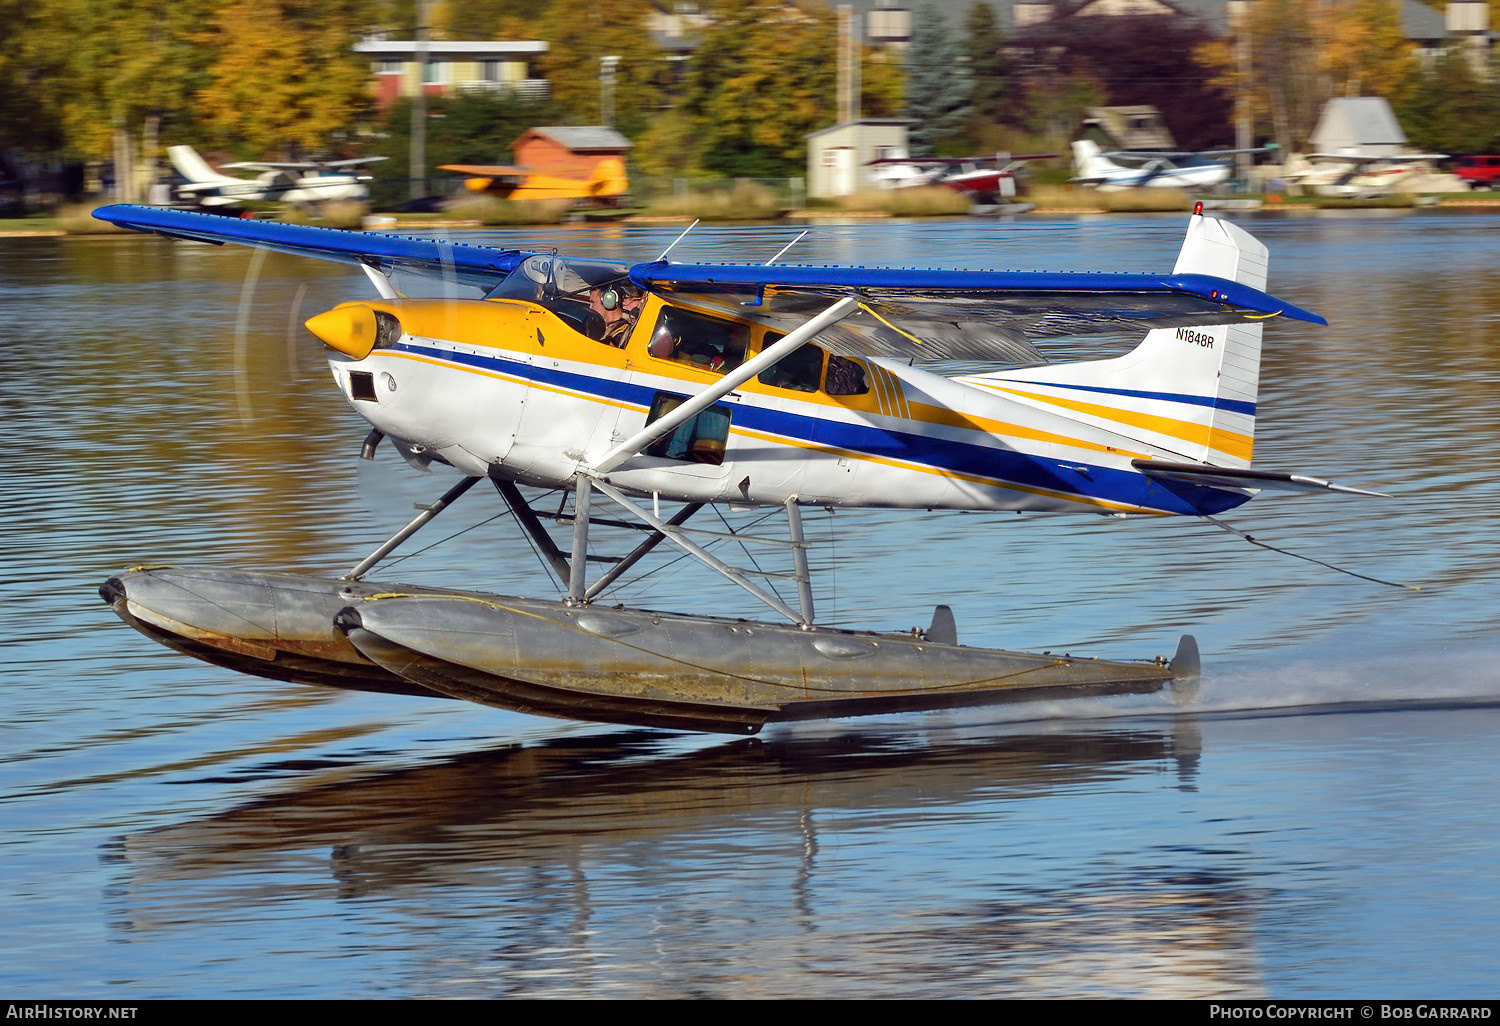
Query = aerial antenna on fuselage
x=788 y=246
x=678 y=239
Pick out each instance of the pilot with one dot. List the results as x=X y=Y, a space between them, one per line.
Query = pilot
x=618 y=306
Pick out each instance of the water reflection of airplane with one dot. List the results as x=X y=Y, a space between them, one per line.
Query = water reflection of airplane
x=699 y=384
x=549 y=801
x=301 y=182
x=986 y=178
x=1160 y=170
x=567 y=842
x=1359 y=176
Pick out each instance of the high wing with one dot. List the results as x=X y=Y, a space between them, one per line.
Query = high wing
x=488 y=170
x=910 y=314
x=1363 y=159
x=302 y=165
x=479 y=266
x=930 y=315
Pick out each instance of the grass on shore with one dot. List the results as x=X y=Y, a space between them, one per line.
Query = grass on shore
x=740 y=201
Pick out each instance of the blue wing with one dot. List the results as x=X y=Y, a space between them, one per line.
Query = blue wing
x=964 y=315
x=905 y=313
x=480 y=266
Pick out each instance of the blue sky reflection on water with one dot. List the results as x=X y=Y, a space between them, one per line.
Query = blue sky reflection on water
x=1321 y=824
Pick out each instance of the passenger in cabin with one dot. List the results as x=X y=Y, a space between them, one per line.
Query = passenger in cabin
x=663 y=343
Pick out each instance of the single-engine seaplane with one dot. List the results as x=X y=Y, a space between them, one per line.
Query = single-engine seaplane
x=1157 y=170
x=650 y=391
x=308 y=183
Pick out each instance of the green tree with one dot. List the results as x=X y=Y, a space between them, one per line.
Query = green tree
x=984 y=45
x=581 y=32
x=939 y=85
x=1451 y=109
x=470 y=128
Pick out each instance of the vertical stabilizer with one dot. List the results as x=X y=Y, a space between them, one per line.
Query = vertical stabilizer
x=194 y=168
x=1190 y=392
x=1090 y=164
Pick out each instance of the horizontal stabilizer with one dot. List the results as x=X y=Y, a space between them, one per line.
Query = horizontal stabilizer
x=1242 y=477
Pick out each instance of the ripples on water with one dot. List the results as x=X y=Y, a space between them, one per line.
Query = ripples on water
x=1321 y=825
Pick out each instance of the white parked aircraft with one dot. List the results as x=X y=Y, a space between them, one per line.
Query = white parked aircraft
x=308 y=182
x=1161 y=171
x=1359 y=176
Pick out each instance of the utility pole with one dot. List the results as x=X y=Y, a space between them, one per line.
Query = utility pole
x=418 y=166
x=1239 y=13
x=607 y=66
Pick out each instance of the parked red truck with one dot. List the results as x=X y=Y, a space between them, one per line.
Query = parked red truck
x=1479 y=172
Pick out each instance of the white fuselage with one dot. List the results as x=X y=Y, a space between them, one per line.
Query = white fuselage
x=506 y=387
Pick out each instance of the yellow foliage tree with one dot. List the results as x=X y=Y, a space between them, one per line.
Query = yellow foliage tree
x=285 y=80
x=1285 y=59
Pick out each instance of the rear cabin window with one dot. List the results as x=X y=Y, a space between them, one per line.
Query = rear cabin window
x=801 y=372
x=846 y=376
x=704 y=342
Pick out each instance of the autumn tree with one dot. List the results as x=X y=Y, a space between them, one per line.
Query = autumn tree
x=1286 y=59
x=1366 y=51
x=285 y=80
x=761 y=78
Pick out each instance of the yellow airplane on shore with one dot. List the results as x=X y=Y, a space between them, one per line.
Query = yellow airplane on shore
x=606 y=184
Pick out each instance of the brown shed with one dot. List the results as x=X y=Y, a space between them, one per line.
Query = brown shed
x=568 y=151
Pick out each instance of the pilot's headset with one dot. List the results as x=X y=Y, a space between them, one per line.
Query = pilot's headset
x=609 y=298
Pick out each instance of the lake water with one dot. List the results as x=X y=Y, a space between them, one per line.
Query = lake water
x=1322 y=823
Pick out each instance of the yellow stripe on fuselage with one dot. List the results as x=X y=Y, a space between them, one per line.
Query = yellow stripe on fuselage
x=1230 y=442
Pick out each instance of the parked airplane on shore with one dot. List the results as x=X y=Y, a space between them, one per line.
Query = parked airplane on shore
x=304 y=182
x=605 y=185
x=1359 y=176
x=1181 y=170
x=665 y=384
x=986 y=178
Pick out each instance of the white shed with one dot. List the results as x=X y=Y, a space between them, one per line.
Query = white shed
x=1358 y=126
x=838 y=158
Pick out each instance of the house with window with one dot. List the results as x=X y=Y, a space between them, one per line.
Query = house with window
x=452 y=66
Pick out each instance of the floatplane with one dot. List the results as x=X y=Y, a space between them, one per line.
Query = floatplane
x=652 y=391
x=307 y=183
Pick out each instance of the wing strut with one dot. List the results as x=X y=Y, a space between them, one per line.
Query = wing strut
x=719 y=389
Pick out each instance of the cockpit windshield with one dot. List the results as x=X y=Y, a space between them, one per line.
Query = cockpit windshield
x=594 y=298
x=545 y=276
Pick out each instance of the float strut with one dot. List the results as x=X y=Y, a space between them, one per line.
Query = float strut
x=580 y=541
x=639 y=551
x=410 y=529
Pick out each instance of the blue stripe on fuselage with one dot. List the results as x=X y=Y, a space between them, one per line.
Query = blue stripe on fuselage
x=1216 y=402
x=1004 y=466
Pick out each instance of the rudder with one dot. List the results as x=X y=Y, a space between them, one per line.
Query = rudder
x=1190 y=392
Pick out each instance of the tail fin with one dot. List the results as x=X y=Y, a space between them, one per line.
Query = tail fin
x=194 y=168
x=1189 y=392
x=1090 y=164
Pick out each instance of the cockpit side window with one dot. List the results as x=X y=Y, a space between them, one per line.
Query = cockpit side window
x=704 y=342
